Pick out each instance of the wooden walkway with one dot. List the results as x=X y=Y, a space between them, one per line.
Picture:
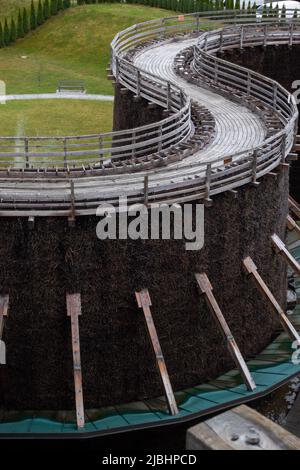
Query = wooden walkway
x=163 y=162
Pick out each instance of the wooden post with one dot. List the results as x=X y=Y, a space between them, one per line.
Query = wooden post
x=4 y=304
x=283 y=148
x=26 y=142
x=254 y=168
x=138 y=84
x=206 y=289
x=221 y=42
x=168 y=96
x=144 y=302
x=208 y=200
x=74 y=311
x=242 y=38
x=275 y=94
x=65 y=154
x=251 y=270
x=280 y=248
x=72 y=209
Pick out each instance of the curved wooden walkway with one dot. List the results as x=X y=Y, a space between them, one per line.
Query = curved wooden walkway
x=79 y=173
x=237 y=127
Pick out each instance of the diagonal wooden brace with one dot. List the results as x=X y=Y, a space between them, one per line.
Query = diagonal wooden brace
x=280 y=248
x=4 y=304
x=294 y=207
x=144 y=302
x=206 y=288
x=74 y=311
x=251 y=270
x=292 y=225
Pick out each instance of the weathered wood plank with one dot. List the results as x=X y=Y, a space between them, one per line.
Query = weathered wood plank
x=206 y=288
x=144 y=302
x=74 y=311
x=251 y=270
x=280 y=248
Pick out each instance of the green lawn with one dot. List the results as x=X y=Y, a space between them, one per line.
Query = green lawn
x=72 y=45
x=55 y=117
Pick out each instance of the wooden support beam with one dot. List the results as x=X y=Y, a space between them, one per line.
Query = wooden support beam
x=273 y=174
x=292 y=157
x=284 y=166
x=4 y=304
x=74 y=311
x=251 y=270
x=294 y=207
x=144 y=302
x=292 y=225
x=207 y=289
x=280 y=248
x=71 y=218
x=233 y=193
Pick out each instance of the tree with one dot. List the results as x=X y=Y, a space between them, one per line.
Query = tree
x=6 y=34
x=20 y=29
x=1 y=36
x=33 y=22
x=60 y=5
x=13 y=31
x=25 y=22
x=40 y=19
x=53 y=7
x=47 y=13
x=67 y=4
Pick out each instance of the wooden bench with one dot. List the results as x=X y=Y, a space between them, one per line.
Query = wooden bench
x=76 y=86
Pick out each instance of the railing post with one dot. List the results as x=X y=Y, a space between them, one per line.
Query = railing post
x=181 y=99
x=249 y=83
x=168 y=96
x=205 y=43
x=101 y=149
x=265 y=35
x=221 y=42
x=26 y=144
x=198 y=23
x=117 y=70
x=242 y=38
x=254 y=167
x=208 y=183
x=275 y=93
x=291 y=34
x=65 y=154
x=216 y=70
x=160 y=131
x=138 y=83
x=283 y=148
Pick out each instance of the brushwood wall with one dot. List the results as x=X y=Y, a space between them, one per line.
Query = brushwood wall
x=38 y=267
